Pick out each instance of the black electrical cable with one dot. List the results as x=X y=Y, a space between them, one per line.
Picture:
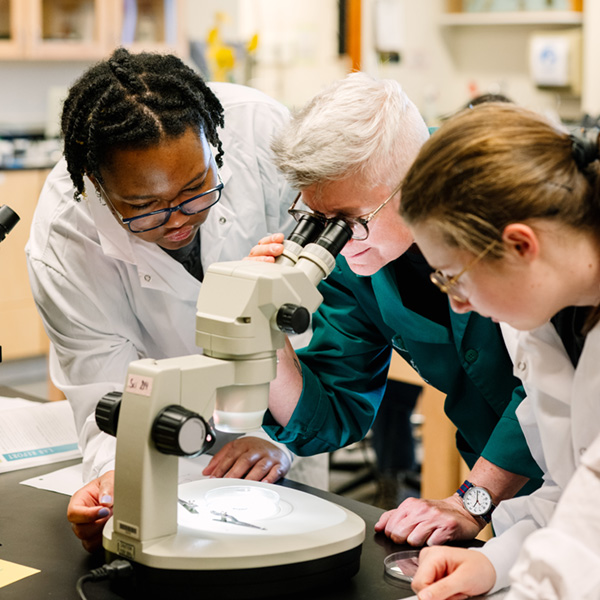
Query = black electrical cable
x=117 y=569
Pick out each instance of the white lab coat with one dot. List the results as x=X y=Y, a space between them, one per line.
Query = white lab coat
x=554 y=532
x=107 y=297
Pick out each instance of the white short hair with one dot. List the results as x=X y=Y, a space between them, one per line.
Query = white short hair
x=358 y=125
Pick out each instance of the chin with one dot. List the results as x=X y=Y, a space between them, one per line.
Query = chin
x=364 y=269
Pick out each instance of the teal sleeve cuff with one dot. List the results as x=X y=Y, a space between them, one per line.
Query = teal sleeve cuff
x=507 y=447
x=301 y=435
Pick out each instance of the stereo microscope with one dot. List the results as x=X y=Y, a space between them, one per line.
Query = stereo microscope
x=236 y=538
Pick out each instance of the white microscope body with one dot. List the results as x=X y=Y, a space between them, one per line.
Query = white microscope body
x=242 y=308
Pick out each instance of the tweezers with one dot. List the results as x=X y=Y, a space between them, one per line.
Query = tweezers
x=189 y=505
x=227 y=518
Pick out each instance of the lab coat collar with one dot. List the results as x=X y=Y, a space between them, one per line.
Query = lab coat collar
x=540 y=359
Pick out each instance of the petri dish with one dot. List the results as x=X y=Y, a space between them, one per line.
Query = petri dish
x=401 y=566
x=244 y=502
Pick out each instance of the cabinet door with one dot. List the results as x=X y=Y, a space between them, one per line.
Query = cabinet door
x=21 y=330
x=150 y=25
x=12 y=29
x=68 y=29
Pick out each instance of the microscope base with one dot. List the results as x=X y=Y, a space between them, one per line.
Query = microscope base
x=241 y=584
x=298 y=542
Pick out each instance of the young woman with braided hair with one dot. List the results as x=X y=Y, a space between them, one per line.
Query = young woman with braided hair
x=505 y=205
x=162 y=175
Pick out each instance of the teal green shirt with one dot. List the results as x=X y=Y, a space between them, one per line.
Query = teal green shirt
x=359 y=323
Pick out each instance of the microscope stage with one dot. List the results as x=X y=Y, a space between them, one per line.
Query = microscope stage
x=283 y=539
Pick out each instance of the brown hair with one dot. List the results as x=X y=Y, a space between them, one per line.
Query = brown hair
x=493 y=165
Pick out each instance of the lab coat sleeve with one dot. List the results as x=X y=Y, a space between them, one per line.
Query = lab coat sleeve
x=344 y=372
x=562 y=561
x=514 y=521
x=88 y=355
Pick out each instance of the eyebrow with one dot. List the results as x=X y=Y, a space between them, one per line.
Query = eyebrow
x=137 y=198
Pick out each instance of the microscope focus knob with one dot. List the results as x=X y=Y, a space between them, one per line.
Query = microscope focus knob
x=292 y=318
x=177 y=430
x=107 y=412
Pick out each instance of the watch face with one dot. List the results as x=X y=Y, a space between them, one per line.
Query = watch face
x=477 y=501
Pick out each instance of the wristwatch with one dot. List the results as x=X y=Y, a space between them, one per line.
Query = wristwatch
x=476 y=500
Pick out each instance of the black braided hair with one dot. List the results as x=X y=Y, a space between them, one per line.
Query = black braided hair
x=133 y=101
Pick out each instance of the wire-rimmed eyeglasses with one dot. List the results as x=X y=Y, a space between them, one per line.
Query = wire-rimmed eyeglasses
x=158 y=218
x=448 y=285
x=359 y=225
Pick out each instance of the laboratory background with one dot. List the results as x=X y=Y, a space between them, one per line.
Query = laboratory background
x=445 y=53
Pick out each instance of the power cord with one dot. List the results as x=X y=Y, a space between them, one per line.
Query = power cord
x=117 y=569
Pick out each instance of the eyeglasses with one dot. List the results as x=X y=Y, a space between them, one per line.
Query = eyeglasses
x=359 y=225
x=158 y=218
x=448 y=285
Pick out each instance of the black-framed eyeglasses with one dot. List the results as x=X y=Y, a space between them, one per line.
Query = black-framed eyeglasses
x=158 y=218
x=448 y=285
x=359 y=225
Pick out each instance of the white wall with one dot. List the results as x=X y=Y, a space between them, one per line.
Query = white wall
x=25 y=90
x=442 y=67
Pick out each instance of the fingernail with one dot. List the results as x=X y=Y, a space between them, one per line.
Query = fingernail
x=106 y=499
x=103 y=512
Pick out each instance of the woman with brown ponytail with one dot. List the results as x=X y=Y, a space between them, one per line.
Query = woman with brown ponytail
x=505 y=205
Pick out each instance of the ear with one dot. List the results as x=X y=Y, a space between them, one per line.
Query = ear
x=521 y=241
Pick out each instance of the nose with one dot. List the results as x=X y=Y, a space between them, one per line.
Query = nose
x=177 y=219
x=348 y=248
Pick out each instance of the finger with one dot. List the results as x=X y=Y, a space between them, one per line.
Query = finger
x=221 y=463
x=243 y=466
x=276 y=238
x=440 y=535
x=420 y=534
x=399 y=527
x=267 y=259
x=275 y=474
x=441 y=590
x=266 y=250
x=87 y=514
x=89 y=530
x=261 y=470
x=383 y=520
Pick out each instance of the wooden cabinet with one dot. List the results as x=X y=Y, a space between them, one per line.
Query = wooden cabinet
x=21 y=332
x=12 y=34
x=89 y=29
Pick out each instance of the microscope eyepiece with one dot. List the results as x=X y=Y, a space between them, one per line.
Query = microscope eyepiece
x=335 y=236
x=8 y=219
x=309 y=227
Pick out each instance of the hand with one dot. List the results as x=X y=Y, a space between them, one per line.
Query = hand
x=421 y=522
x=447 y=573
x=90 y=508
x=249 y=458
x=267 y=249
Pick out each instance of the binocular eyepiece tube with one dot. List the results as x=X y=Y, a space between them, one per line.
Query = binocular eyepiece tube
x=314 y=237
x=8 y=219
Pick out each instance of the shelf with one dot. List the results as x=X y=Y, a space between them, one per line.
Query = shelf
x=549 y=17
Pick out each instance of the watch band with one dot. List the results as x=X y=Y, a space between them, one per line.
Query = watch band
x=461 y=491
